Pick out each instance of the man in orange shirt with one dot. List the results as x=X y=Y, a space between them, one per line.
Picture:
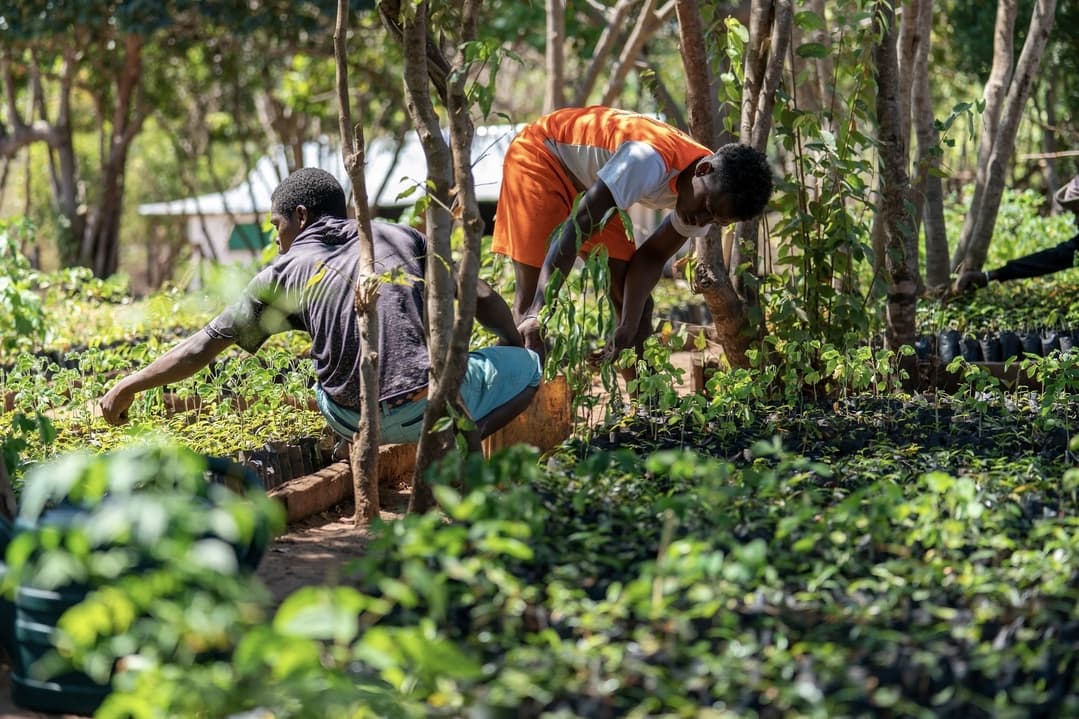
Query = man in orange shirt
x=616 y=159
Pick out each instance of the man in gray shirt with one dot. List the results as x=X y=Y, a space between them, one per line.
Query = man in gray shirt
x=308 y=287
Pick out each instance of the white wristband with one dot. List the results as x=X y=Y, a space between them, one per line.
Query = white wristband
x=986 y=273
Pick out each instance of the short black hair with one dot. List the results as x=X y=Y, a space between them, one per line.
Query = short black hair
x=315 y=189
x=744 y=175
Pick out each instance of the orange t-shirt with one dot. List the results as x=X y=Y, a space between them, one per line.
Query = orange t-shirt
x=563 y=153
x=637 y=157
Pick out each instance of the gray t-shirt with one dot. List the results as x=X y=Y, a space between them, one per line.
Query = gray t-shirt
x=309 y=288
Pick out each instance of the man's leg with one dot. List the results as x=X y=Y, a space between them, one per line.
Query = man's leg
x=501 y=415
x=498 y=385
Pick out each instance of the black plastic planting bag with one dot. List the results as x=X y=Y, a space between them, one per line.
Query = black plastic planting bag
x=1010 y=346
x=1032 y=344
x=970 y=349
x=1050 y=342
x=991 y=348
x=923 y=347
x=1067 y=340
x=948 y=342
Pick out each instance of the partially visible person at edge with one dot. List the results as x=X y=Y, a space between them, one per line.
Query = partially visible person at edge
x=317 y=239
x=1036 y=264
x=616 y=159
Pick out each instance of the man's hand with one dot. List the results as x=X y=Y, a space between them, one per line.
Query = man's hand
x=531 y=333
x=623 y=339
x=969 y=281
x=115 y=403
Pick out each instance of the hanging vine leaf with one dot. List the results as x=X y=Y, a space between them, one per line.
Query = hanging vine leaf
x=812 y=49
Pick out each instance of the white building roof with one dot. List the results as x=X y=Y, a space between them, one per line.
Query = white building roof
x=394 y=175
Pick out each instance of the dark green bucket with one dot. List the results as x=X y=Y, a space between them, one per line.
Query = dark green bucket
x=36 y=613
x=28 y=624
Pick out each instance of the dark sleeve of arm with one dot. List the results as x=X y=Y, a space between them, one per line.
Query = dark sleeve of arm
x=258 y=313
x=1054 y=259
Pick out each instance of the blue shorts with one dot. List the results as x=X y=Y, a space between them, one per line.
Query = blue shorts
x=494 y=376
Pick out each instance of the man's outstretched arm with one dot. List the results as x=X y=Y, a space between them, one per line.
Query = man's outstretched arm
x=596 y=202
x=1036 y=264
x=642 y=275
x=182 y=361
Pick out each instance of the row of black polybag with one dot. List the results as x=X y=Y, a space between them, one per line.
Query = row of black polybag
x=995 y=346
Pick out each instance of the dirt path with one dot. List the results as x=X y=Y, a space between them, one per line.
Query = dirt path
x=316 y=550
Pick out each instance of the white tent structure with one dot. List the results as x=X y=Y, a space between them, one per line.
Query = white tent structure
x=227 y=226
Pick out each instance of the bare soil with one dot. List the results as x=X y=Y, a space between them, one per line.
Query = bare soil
x=316 y=550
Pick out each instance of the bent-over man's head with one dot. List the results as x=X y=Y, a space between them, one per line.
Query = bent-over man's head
x=744 y=176
x=303 y=197
x=731 y=185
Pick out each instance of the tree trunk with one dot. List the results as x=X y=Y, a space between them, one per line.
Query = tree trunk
x=452 y=370
x=100 y=246
x=648 y=22
x=63 y=167
x=91 y=240
x=766 y=51
x=901 y=252
x=910 y=42
x=761 y=13
x=712 y=280
x=608 y=39
x=555 y=94
x=975 y=244
x=432 y=445
x=15 y=132
x=700 y=85
x=364 y=453
x=995 y=88
x=928 y=192
x=907 y=46
x=770 y=29
x=279 y=122
x=438 y=68
x=912 y=53
x=711 y=277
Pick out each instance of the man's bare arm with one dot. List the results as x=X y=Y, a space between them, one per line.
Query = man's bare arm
x=642 y=275
x=182 y=361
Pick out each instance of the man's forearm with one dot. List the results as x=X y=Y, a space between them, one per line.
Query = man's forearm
x=1054 y=259
x=641 y=278
x=179 y=363
x=591 y=209
x=493 y=313
x=560 y=256
x=644 y=272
